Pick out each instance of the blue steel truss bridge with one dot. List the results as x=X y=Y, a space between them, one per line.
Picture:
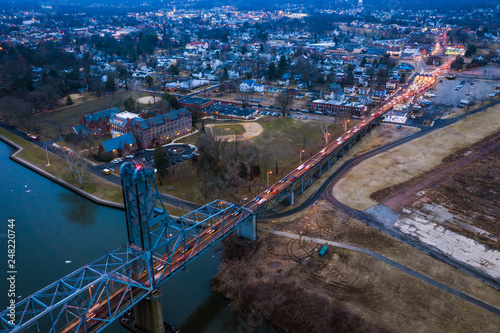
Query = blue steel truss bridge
x=159 y=246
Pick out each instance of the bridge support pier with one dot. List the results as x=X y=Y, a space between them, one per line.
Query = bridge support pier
x=292 y=197
x=248 y=229
x=148 y=313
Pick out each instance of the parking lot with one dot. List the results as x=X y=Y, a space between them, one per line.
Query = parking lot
x=178 y=153
x=448 y=97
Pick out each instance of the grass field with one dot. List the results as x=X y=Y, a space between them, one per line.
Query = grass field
x=65 y=118
x=412 y=159
x=59 y=168
x=228 y=129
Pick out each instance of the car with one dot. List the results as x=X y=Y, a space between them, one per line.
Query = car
x=298 y=117
x=293 y=178
x=257 y=198
x=323 y=152
x=212 y=230
x=339 y=139
x=129 y=156
x=269 y=190
x=307 y=167
x=305 y=117
x=106 y=171
x=282 y=180
x=278 y=107
x=271 y=106
x=300 y=167
x=298 y=112
x=261 y=201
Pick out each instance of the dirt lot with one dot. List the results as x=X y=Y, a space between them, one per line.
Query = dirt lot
x=412 y=159
x=284 y=281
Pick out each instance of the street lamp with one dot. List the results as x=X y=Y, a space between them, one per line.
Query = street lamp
x=268 y=173
x=300 y=159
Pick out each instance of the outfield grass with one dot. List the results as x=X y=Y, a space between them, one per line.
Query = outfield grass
x=36 y=156
x=228 y=129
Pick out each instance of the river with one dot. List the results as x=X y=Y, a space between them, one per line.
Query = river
x=54 y=226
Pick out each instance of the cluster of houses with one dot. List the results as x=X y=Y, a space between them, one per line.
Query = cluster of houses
x=131 y=132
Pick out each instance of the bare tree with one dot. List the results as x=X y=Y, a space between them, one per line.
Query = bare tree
x=251 y=156
x=215 y=145
x=284 y=100
x=245 y=96
x=77 y=166
x=344 y=117
x=325 y=130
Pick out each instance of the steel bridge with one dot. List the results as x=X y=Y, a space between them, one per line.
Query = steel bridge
x=159 y=246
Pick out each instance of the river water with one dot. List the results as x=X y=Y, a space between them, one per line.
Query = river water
x=54 y=225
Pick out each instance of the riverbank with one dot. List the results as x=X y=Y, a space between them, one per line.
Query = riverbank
x=35 y=158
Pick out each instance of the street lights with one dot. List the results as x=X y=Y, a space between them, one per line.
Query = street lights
x=300 y=159
x=268 y=173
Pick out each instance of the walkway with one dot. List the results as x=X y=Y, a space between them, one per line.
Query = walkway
x=386 y=260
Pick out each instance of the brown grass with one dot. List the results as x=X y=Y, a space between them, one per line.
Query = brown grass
x=412 y=159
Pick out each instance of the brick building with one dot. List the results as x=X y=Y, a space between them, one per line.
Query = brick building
x=99 y=120
x=162 y=128
x=333 y=107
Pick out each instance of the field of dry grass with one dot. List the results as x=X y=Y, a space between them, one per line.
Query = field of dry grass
x=413 y=159
x=387 y=298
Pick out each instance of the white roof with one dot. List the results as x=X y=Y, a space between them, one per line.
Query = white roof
x=126 y=115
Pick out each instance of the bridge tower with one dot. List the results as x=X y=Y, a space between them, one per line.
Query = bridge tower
x=143 y=211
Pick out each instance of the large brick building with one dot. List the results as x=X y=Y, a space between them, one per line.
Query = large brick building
x=162 y=128
x=99 y=120
x=333 y=107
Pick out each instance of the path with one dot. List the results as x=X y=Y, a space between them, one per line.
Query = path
x=393 y=263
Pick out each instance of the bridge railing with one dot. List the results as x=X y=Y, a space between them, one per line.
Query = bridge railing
x=117 y=278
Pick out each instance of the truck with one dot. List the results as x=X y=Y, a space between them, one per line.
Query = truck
x=323 y=250
x=465 y=101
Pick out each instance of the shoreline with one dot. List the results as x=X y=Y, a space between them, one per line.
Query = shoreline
x=55 y=179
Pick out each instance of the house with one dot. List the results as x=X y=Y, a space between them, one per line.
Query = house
x=391 y=84
x=197 y=46
x=380 y=93
x=349 y=89
x=284 y=82
x=99 y=120
x=249 y=85
x=364 y=91
x=118 y=146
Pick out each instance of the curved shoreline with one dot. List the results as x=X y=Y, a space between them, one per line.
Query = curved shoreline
x=58 y=181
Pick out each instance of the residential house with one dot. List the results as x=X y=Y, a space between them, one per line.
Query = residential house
x=249 y=85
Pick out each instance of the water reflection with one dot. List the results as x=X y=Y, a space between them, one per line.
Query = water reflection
x=77 y=209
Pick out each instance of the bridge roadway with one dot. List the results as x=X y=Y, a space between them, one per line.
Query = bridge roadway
x=113 y=305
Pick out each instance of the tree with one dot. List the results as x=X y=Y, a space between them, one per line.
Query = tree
x=173 y=70
x=272 y=71
x=129 y=104
x=69 y=101
x=471 y=50
x=171 y=99
x=282 y=65
x=76 y=162
x=363 y=62
x=161 y=162
x=149 y=81
x=284 y=100
x=244 y=96
x=225 y=74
